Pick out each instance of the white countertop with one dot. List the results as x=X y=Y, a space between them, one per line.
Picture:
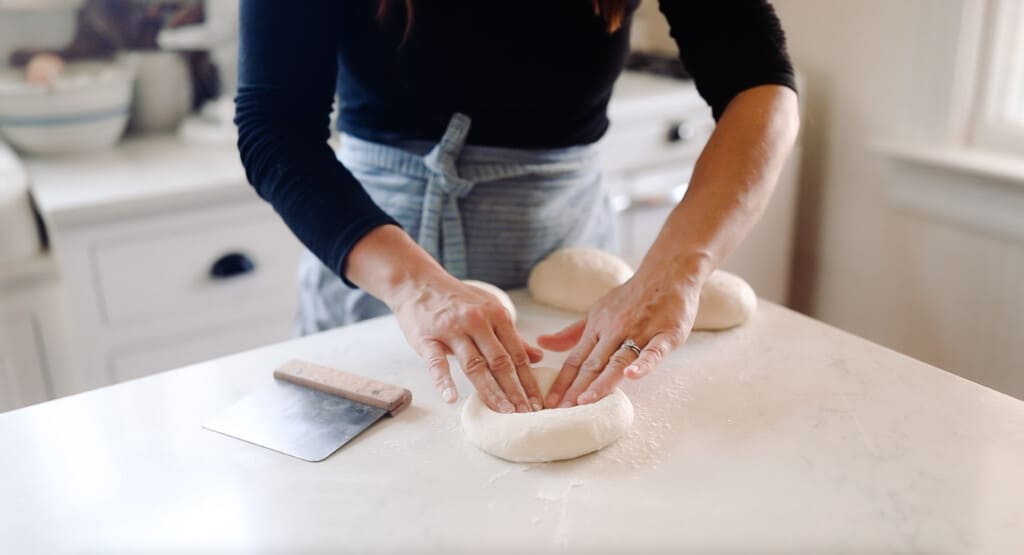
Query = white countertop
x=783 y=436
x=140 y=175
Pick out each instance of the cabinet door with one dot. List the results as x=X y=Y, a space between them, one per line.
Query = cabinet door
x=142 y=360
x=187 y=270
x=22 y=379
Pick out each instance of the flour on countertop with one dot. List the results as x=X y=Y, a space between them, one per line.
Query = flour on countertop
x=499 y=475
x=642 y=445
x=559 y=495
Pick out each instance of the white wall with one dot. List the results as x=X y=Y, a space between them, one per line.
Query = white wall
x=944 y=291
x=923 y=281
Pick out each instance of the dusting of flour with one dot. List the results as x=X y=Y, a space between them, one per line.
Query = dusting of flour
x=653 y=406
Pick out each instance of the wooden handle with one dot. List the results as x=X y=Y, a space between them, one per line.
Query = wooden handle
x=350 y=386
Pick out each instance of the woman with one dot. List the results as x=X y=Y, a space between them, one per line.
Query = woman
x=467 y=153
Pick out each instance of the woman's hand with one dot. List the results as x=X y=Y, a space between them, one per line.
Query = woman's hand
x=443 y=316
x=730 y=186
x=652 y=309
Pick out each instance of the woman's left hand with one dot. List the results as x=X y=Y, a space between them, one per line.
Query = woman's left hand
x=653 y=309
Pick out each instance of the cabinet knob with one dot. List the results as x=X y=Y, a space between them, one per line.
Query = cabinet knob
x=232 y=265
x=681 y=131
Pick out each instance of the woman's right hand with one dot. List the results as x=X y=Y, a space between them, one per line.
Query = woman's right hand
x=442 y=316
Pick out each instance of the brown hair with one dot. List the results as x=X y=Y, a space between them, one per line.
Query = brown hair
x=613 y=12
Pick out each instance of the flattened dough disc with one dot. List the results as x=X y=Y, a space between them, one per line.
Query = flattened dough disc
x=550 y=434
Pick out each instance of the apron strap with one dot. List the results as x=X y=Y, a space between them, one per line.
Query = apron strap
x=441 y=232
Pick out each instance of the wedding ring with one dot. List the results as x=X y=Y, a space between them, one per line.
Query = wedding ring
x=631 y=345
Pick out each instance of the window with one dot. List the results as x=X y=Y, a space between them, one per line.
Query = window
x=999 y=110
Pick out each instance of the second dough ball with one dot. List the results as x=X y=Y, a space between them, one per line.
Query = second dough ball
x=575 y=278
x=726 y=301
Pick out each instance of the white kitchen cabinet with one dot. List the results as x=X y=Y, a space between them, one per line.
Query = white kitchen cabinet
x=193 y=266
x=175 y=258
x=153 y=283
x=33 y=332
x=22 y=378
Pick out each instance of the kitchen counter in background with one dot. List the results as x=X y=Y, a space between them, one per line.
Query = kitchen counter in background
x=782 y=436
x=141 y=176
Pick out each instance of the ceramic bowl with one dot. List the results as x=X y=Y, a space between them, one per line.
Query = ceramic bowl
x=85 y=109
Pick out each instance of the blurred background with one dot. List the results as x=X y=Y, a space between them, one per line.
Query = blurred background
x=130 y=242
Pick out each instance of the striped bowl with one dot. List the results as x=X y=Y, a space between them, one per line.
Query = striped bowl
x=86 y=109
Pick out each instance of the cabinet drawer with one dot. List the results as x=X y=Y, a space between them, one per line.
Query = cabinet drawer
x=210 y=273
x=142 y=360
x=633 y=145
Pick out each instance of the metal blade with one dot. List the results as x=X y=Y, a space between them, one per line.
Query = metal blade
x=295 y=420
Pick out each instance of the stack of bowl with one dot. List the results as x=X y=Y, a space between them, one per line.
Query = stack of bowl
x=85 y=108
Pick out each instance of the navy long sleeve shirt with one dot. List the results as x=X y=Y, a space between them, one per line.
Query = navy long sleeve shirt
x=530 y=74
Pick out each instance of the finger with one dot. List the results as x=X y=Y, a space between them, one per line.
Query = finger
x=657 y=348
x=570 y=368
x=521 y=360
x=609 y=378
x=499 y=360
x=436 y=356
x=536 y=355
x=563 y=340
x=590 y=370
x=474 y=365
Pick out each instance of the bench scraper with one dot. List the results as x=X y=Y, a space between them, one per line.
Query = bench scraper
x=310 y=411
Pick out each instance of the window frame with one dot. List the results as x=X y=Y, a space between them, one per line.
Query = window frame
x=997 y=47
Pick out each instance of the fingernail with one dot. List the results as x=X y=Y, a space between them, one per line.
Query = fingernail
x=536 y=405
x=506 y=407
x=448 y=395
x=552 y=400
x=587 y=397
x=565 y=404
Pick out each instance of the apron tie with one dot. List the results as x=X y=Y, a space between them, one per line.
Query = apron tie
x=441 y=232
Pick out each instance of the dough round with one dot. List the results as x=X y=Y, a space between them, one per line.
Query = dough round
x=549 y=434
x=502 y=296
x=575 y=278
x=726 y=301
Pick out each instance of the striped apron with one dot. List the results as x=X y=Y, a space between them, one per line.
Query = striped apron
x=484 y=213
